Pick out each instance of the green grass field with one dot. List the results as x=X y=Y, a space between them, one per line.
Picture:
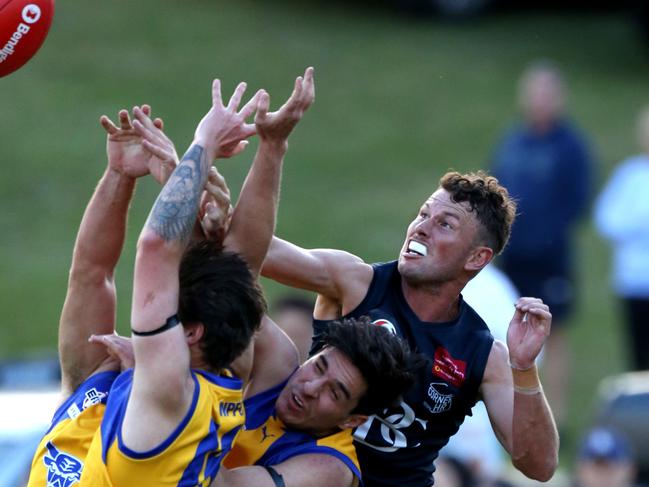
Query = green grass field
x=399 y=101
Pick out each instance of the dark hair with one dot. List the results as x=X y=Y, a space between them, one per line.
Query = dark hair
x=218 y=290
x=493 y=207
x=384 y=360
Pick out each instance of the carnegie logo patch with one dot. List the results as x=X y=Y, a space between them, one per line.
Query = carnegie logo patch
x=439 y=402
x=448 y=368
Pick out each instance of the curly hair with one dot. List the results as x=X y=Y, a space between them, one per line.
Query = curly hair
x=490 y=201
x=218 y=290
x=384 y=360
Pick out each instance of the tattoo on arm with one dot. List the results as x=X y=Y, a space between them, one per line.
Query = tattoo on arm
x=174 y=213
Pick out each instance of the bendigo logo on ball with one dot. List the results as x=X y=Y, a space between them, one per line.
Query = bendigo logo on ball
x=24 y=24
x=31 y=14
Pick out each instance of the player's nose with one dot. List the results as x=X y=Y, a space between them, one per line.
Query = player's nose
x=312 y=387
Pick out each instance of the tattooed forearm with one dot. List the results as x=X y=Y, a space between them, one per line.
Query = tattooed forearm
x=174 y=212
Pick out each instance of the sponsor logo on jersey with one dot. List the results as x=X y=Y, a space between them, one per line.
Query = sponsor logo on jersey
x=389 y=432
x=92 y=397
x=448 y=368
x=385 y=324
x=63 y=470
x=440 y=402
x=265 y=434
x=231 y=408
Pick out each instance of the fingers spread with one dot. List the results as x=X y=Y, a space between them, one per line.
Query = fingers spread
x=216 y=92
x=262 y=107
x=250 y=107
x=233 y=104
x=157 y=151
x=159 y=123
x=124 y=120
x=108 y=125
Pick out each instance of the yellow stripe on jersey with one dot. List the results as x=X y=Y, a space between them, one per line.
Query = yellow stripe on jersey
x=190 y=456
x=61 y=454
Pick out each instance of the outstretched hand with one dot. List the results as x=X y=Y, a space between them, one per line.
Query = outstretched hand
x=163 y=158
x=277 y=126
x=118 y=347
x=123 y=145
x=528 y=331
x=223 y=129
x=216 y=208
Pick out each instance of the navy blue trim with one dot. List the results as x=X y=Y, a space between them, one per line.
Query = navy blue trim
x=232 y=383
x=207 y=446
x=261 y=406
x=102 y=381
x=170 y=439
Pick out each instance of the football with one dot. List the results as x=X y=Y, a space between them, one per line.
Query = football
x=24 y=24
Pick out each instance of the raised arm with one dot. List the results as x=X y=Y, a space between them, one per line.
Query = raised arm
x=309 y=470
x=253 y=221
x=514 y=397
x=338 y=277
x=162 y=385
x=90 y=301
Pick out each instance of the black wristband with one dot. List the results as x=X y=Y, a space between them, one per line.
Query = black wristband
x=170 y=323
x=277 y=478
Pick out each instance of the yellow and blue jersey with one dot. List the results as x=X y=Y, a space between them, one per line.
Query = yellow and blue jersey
x=61 y=454
x=266 y=441
x=190 y=456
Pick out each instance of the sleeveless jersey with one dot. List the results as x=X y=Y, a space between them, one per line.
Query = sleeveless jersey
x=61 y=454
x=399 y=446
x=265 y=441
x=190 y=456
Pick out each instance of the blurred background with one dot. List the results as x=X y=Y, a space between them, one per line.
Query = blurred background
x=403 y=94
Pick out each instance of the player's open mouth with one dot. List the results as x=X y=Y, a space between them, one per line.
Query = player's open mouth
x=417 y=248
x=298 y=402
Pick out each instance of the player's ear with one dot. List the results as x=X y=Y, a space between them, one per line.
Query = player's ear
x=353 y=420
x=194 y=332
x=479 y=258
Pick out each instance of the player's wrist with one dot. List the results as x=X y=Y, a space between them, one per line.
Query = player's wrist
x=526 y=381
x=279 y=146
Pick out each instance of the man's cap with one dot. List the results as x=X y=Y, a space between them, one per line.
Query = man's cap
x=605 y=444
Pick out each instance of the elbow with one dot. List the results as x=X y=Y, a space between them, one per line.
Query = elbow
x=149 y=244
x=542 y=470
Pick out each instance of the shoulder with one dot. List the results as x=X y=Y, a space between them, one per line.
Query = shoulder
x=497 y=368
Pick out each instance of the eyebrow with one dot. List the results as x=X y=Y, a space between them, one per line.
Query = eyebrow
x=451 y=215
x=341 y=386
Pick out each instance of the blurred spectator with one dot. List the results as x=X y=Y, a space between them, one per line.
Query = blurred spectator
x=294 y=314
x=545 y=165
x=492 y=295
x=452 y=472
x=622 y=216
x=604 y=460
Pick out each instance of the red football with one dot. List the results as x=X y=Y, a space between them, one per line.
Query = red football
x=24 y=24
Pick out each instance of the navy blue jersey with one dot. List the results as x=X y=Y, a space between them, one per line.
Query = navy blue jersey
x=398 y=447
